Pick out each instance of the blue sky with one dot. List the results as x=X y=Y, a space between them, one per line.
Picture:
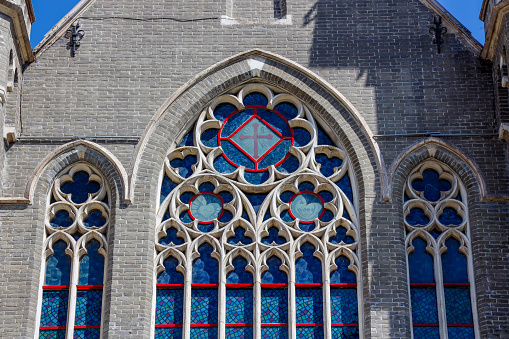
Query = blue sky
x=49 y=12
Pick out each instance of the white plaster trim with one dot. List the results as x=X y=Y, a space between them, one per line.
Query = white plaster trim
x=227 y=21
x=359 y=119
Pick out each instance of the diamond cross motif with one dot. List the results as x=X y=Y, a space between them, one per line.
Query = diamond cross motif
x=256 y=138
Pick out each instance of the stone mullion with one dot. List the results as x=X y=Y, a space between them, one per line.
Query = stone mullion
x=327 y=321
x=73 y=291
x=221 y=302
x=292 y=320
x=186 y=319
x=257 y=297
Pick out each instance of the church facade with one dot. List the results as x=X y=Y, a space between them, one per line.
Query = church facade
x=265 y=169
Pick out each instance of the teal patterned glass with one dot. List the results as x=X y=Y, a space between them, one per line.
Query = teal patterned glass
x=460 y=332
x=310 y=332
x=239 y=306
x=52 y=334
x=426 y=332
x=203 y=333
x=274 y=332
x=88 y=307
x=204 y=306
x=345 y=332
x=344 y=305
x=169 y=306
x=239 y=332
x=54 y=308
x=87 y=333
x=424 y=305
x=274 y=305
x=309 y=305
x=457 y=305
x=168 y=333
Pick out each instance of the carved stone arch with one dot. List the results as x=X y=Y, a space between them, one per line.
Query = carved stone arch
x=83 y=241
x=274 y=252
x=320 y=251
x=251 y=261
x=55 y=237
x=336 y=114
x=431 y=243
x=460 y=237
x=217 y=254
x=170 y=252
x=348 y=253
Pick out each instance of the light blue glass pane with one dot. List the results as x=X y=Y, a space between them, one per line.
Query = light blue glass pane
x=80 y=187
x=240 y=237
x=457 y=306
x=92 y=265
x=209 y=137
x=309 y=305
x=450 y=217
x=169 y=306
x=223 y=110
x=276 y=155
x=288 y=110
x=273 y=237
x=274 y=275
x=203 y=333
x=255 y=138
x=54 y=308
x=426 y=333
x=460 y=332
x=308 y=269
x=235 y=155
x=454 y=263
x=239 y=332
x=274 y=306
x=205 y=268
x=203 y=306
x=344 y=305
x=424 y=305
x=306 y=207
x=52 y=334
x=58 y=266
x=310 y=332
x=420 y=263
x=88 y=308
x=184 y=166
x=345 y=332
x=342 y=275
x=168 y=333
x=61 y=219
x=239 y=275
x=171 y=237
x=170 y=275
x=273 y=332
x=417 y=217
x=431 y=185
x=239 y=306
x=255 y=99
x=206 y=207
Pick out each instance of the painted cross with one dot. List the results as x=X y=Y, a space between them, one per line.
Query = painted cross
x=255 y=138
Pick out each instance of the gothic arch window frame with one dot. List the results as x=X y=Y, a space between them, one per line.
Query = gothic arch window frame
x=87 y=221
x=435 y=233
x=242 y=210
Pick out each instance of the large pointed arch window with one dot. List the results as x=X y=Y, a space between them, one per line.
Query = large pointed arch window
x=75 y=247
x=259 y=208
x=439 y=254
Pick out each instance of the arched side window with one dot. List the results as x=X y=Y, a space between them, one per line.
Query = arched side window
x=76 y=230
x=260 y=205
x=442 y=291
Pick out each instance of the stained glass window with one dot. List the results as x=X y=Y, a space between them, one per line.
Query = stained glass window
x=255 y=181
x=76 y=228
x=437 y=234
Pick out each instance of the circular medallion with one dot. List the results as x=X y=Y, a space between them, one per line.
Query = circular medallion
x=255 y=138
x=306 y=206
x=206 y=207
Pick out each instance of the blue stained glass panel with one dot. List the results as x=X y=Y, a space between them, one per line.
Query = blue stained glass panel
x=236 y=156
x=450 y=217
x=52 y=334
x=323 y=138
x=223 y=110
x=460 y=332
x=205 y=268
x=239 y=332
x=87 y=333
x=239 y=306
x=274 y=275
x=341 y=237
x=273 y=237
x=288 y=110
x=274 y=306
x=309 y=305
x=185 y=217
x=326 y=196
x=431 y=185
x=290 y=165
x=274 y=332
x=342 y=275
x=223 y=166
x=454 y=264
x=327 y=164
x=240 y=237
x=345 y=332
x=344 y=305
x=94 y=219
x=457 y=306
x=255 y=98
x=206 y=187
x=256 y=200
x=302 y=137
x=286 y=196
x=187 y=140
x=204 y=306
x=306 y=206
x=306 y=186
x=327 y=216
x=206 y=207
x=276 y=155
x=61 y=219
x=308 y=269
x=285 y=216
x=239 y=275
x=186 y=197
x=209 y=137
x=80 y=187
x=168 y=333
x=203 y=333
x=169 y=306
x=426 y=332
x=226 y=217
x=88 y=307
x=54 y=308
x=184 y=165
x=417 y=217
x=91 y=265
x=171 y=237
x=58 y=266
x=170 y=275
x=424 y=305
x=310 y=332
x=235 y=121
x=226 y=196
x=256 y=178
x=276 y=122
x=346 y=186
x=420 y=263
